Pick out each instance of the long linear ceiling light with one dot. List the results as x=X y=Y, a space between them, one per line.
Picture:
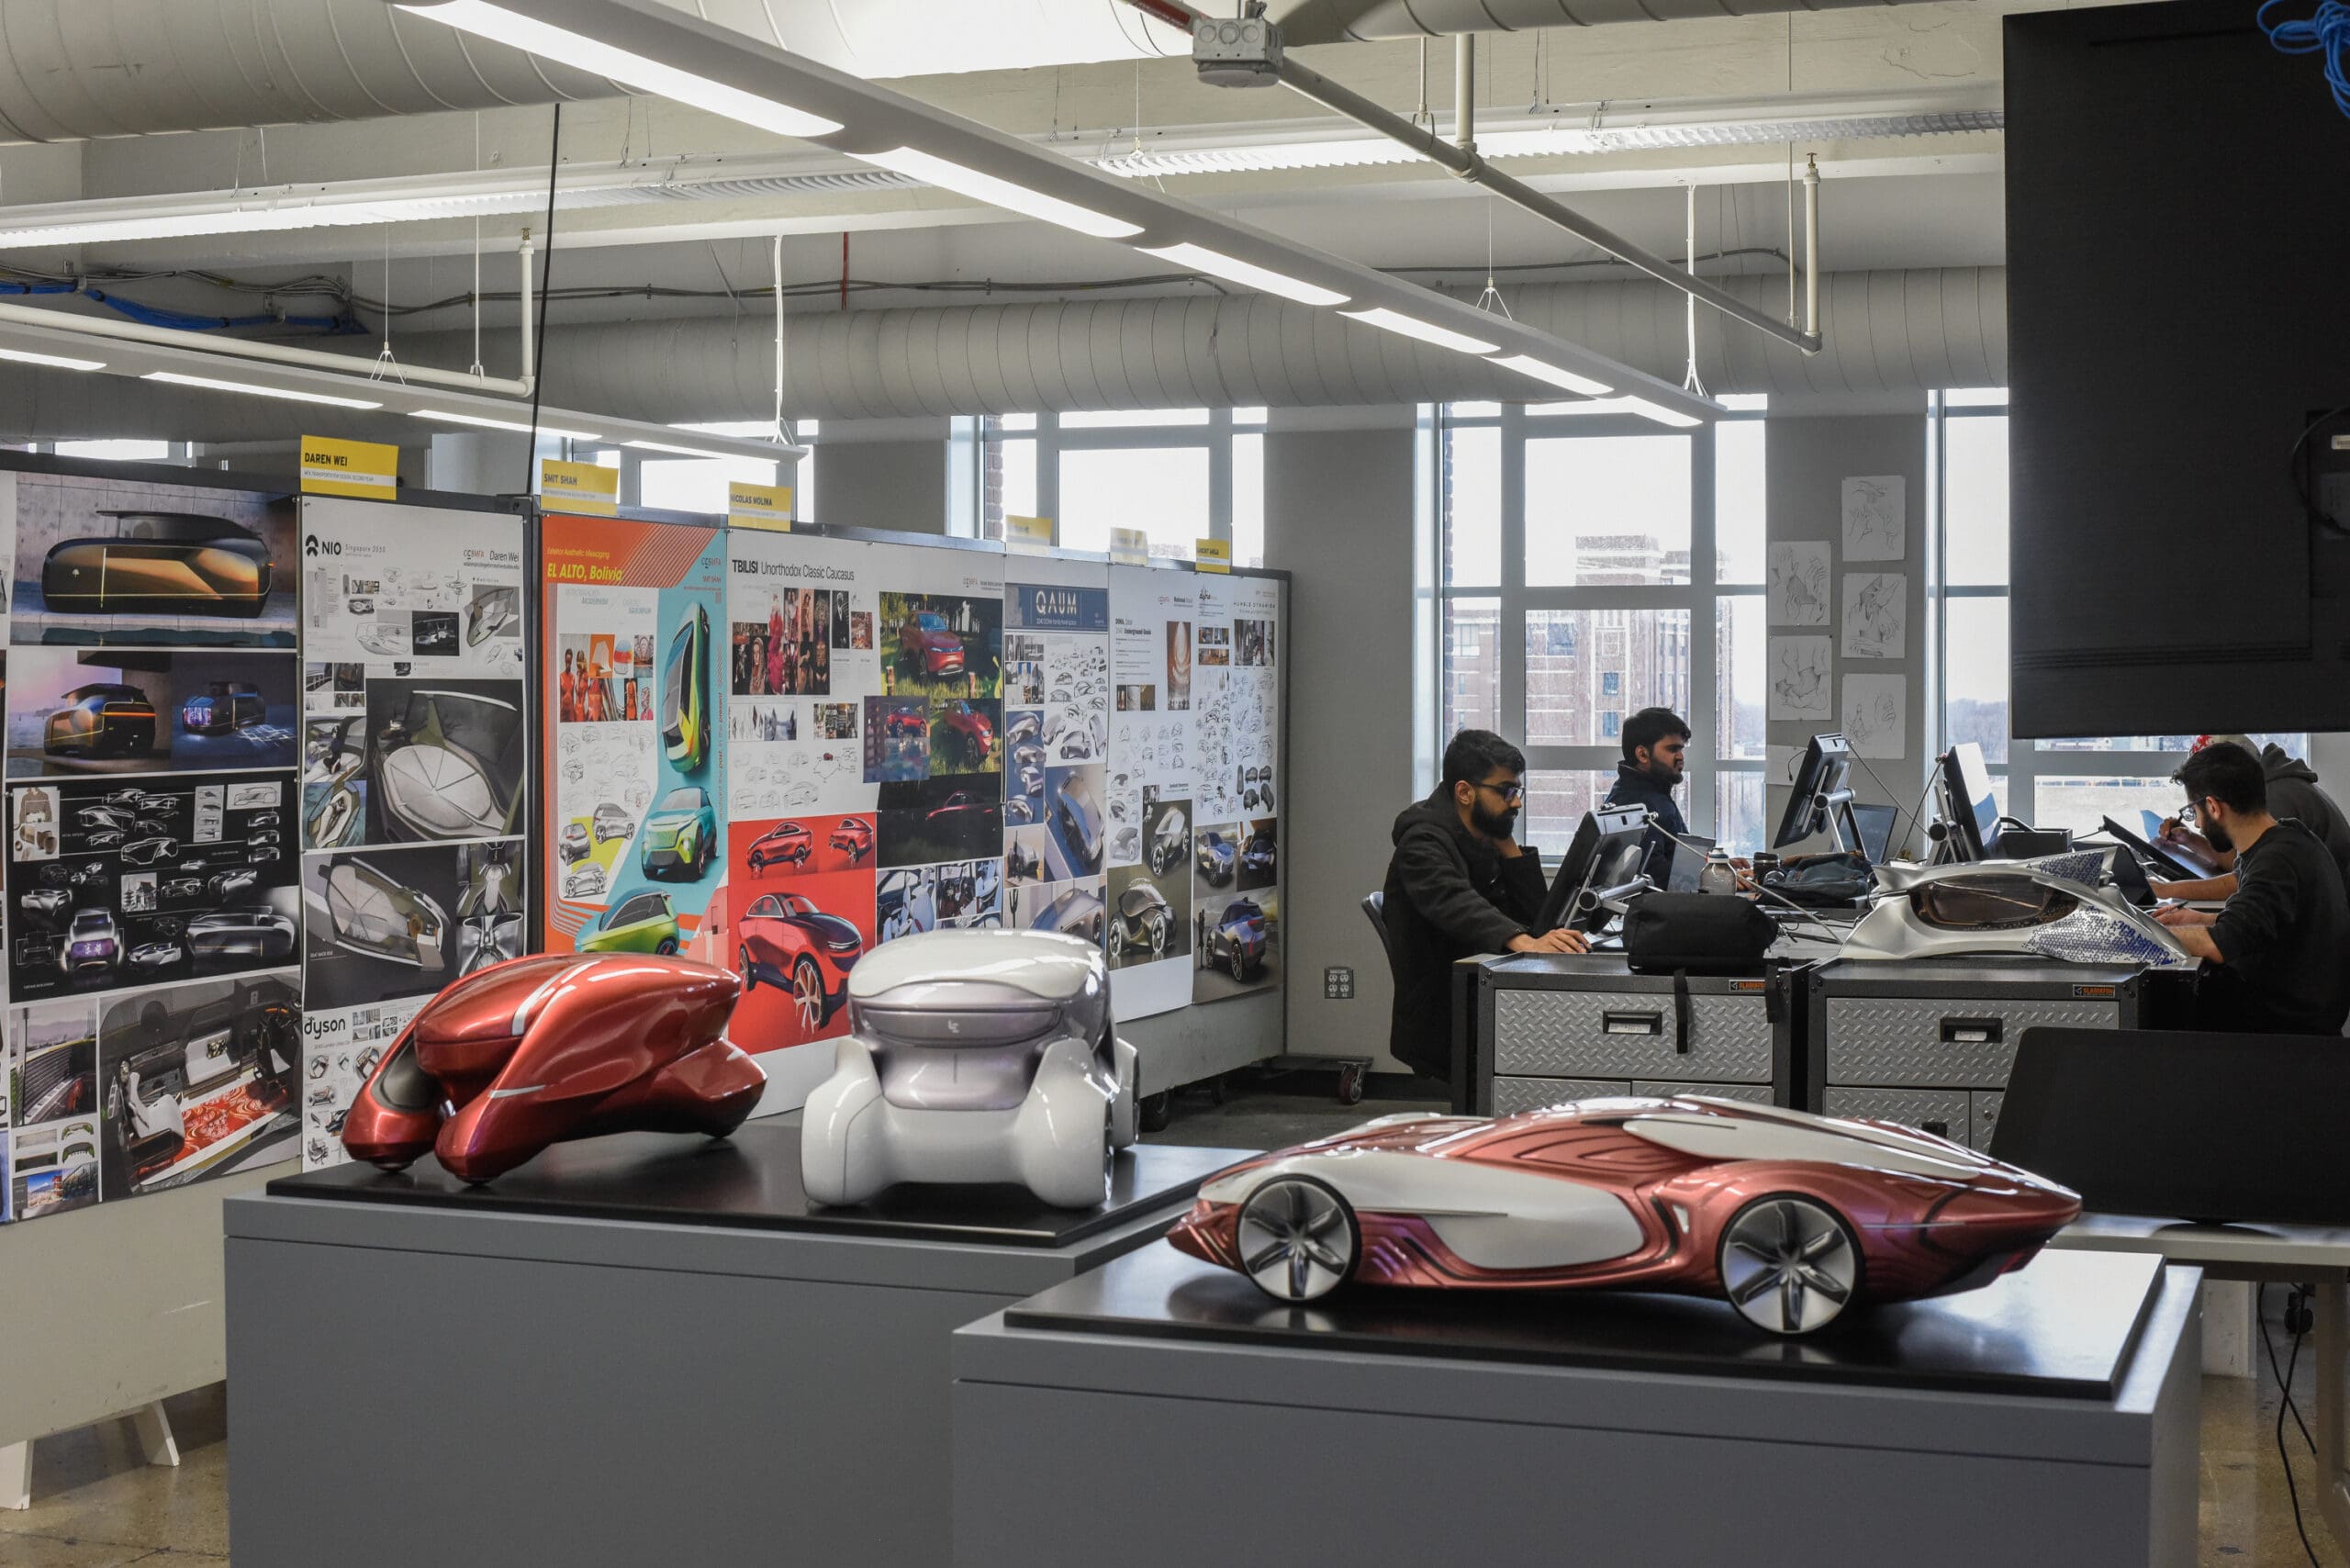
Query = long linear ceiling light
x=49 y=346
x=702 y=64
x=1171 y=151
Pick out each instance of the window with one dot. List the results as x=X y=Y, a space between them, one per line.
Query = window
x=117 y=451
x=1179 y=475
x=698 y=483
x=1579 y=594
x=2072 y=782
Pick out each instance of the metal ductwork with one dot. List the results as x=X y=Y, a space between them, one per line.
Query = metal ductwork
x=1364 y=21
x=74 y=69
x=1888 y=332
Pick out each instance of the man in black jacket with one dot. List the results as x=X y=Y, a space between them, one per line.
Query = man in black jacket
x=2275 y=953
x=1460 y=884
x=2294 y=795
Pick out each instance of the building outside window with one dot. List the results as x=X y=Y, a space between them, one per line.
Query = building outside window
x=2074 y=783
x=1591 y=568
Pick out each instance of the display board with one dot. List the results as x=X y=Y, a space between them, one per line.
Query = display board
x=1152 y=769
x=152 y=1017
x=1236 y=723
x=415 y=784
x=1057 y=734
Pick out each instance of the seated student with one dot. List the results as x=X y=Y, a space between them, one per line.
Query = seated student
x=1460 y=884
x=2275 y=954
x=2294 y=795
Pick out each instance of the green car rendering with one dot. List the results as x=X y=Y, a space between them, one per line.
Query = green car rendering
x=642 y=922
x=680 y=838
x=684 y=695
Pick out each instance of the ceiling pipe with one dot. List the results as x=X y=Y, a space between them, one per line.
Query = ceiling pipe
x=1367 y=21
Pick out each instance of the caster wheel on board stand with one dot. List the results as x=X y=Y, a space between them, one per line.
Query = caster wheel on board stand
x=1158 y=1109
x=1351 y=1077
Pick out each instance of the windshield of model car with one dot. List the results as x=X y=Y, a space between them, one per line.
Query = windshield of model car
x=673 y=686
x=644 y=906
x=798 y=905
x=768 y=908
x=688 y=799
x=93 y=923
x=930 y=622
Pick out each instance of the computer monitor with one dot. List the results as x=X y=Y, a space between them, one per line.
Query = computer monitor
x=2243 y=1127
x=1971 y=809
x=1686 y=871
x=1605 y=853
x=1875 y=823
x=1820 y=800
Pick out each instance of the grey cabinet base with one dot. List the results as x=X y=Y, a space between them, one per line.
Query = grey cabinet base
x=1080 y=1448
x=414 y=1386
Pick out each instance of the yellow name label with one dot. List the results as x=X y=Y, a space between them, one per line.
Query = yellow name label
x=759 y=506
x=1028 y=533
x=580 y=486
x=367 y=470
x=1211 y=555
x=1129 y=547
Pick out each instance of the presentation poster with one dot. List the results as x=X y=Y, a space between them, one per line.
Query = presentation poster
x=1152 y=763
x=415 y=758
x=1057 y=803
x=634 y=716
x=152 y=1019
x=1236 y=850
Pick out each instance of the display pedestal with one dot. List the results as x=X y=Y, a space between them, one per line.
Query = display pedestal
x=420 y=1372
x=1161 y=1412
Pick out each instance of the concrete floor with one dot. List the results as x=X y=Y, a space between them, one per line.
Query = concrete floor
x=96 y=1505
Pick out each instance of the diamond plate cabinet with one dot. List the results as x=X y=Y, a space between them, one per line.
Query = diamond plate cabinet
x=1542 y=1028
x=1931 y=1044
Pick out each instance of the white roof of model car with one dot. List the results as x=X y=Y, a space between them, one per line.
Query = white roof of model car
x=1043 y=963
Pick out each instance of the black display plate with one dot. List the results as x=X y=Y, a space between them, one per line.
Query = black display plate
x=2065 y=1326
x=751 y=1181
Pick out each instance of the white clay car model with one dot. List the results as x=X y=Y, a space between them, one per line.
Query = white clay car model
x=974 y=1057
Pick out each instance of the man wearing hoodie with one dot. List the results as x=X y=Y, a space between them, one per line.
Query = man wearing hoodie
x=1460 y=884
x=2293 y=795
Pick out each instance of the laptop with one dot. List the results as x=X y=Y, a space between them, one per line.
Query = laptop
x=1688 y=864
x=2171 y=859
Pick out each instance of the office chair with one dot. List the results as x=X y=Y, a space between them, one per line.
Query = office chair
x=1374 y=905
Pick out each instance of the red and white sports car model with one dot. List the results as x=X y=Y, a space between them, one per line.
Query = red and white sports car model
x=543 y=1049
x=785 y=940
x=1791 y=1216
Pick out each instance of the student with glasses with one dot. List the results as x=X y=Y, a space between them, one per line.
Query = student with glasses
x=1460 y=884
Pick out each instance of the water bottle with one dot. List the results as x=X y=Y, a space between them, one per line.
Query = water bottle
x=1720 y=875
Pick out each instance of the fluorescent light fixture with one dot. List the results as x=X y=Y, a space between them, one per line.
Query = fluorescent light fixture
x=450 y=416
x=495 y=22
x=1640 y=405
x=964 y=181
x=1412 y=327
x=54 y=361
x=1526 y=365
x=255 y=390
x=1659 y=413
x=681 y=451
x=1247 y=275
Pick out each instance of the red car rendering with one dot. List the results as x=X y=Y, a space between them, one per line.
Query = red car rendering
x=1790 y=1217
x=925 y=640
x=787 y=941
x=904 y=721
x=973 y=729
x=784 y=844
x=958 y=808
x=854 y=836
x=543 y=1049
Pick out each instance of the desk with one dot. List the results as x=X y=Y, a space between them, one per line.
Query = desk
x=2301 y=1254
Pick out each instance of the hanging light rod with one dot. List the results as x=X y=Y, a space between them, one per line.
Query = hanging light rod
x=648 y=44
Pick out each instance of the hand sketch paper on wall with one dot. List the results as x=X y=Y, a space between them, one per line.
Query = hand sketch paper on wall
x=1876 y=509
x=1876 y=610
x=1798 y=583
x=1801 y=677
x=1876 y=715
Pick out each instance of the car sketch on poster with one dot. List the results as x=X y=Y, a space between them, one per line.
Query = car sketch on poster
x=1058 y=804
x=115 y=561
x=1150 y=777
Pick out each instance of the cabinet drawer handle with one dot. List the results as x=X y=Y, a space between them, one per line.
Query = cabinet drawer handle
x=1631 y=1024
x=1973 y=1031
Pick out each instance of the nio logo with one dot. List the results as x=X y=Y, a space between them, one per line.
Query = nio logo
x=313 y=545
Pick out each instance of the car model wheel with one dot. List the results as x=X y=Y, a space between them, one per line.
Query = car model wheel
x=668 y=947
x=1788 y=1263
x=1297 y=1238
x=1157 y=939
x=1240 y=965
x=1117 y=938
x=743 y=966
x=808 y=993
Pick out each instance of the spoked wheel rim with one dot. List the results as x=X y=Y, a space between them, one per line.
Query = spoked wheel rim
x=1240 y=965
x=808 y=993
x=1296 y=1238
x=1788 y=1264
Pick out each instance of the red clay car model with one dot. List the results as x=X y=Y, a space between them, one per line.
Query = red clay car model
x=974 y=729
x=543 y=1049
x=854 y=836
x=926 y=639
x=1791 y=1216
x=788 y=941
x=784 y=844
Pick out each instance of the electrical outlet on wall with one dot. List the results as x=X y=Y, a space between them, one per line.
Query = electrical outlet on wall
x=1337 y=983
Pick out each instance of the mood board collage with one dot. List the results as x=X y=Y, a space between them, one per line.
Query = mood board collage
x=773 y=752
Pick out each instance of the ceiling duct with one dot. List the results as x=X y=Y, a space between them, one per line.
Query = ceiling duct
x=1363 y=21
x=1892 y=331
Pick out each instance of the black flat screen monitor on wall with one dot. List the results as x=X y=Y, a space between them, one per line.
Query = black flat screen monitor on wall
x=2231 y=1128
x=1973 y=808
x=2154 y=410
x=1812 y=801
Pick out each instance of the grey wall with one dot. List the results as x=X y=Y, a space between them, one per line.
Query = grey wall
x=898 y=485
x=1808 y=459
x=1338 y=508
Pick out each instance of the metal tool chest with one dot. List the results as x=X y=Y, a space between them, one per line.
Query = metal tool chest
x=1929 y=1043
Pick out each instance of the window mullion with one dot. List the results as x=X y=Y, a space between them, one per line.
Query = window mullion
x=1512 y=631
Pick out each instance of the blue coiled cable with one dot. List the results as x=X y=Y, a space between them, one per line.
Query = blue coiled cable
x=2326 y=33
